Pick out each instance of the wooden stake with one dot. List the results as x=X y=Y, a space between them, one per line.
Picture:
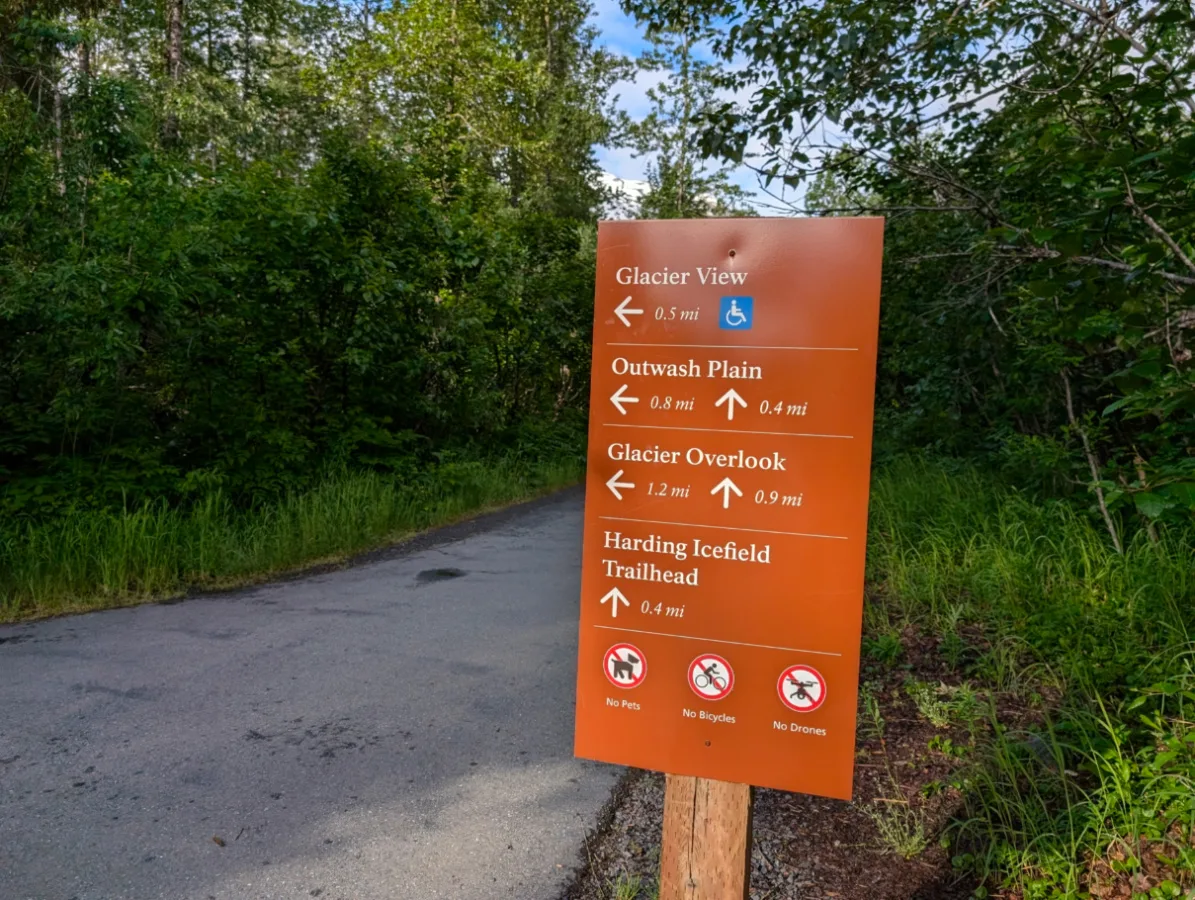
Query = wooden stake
x=707 y=840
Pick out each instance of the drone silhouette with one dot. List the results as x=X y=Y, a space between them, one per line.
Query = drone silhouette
x=800 y=693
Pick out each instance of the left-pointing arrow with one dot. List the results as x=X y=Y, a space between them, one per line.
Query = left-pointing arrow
x=618 y=398
x=616 y=597
x=623 y=310
x=614 y=484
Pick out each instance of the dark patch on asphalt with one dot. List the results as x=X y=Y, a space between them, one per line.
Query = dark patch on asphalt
x=226 y=634
x=430 y=576
x=139 y=693
x=16 y=639
x=336 y=611
x=424 y=540
x=461 y=667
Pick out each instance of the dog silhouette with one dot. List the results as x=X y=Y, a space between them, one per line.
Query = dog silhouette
x=625 y=668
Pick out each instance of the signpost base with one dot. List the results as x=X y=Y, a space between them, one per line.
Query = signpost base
x=707 y=840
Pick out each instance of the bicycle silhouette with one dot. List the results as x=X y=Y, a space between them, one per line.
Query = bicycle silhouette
x=735 y=316
x=709 y=677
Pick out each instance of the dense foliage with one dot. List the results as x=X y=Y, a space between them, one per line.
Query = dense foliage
x=243 y=242
x=1081 y=786
x=1035 y=160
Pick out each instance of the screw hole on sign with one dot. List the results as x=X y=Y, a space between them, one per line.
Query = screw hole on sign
x=732 y=254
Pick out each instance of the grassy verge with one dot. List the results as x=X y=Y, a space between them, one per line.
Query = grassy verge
x=95 y=560
x=1028 y=600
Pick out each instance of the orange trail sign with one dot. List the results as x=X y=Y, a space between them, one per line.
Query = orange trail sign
x=726 y=498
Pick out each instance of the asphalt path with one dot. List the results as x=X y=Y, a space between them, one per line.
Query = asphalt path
x=398 y=729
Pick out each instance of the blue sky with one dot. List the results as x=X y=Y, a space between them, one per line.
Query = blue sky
x=621 y=34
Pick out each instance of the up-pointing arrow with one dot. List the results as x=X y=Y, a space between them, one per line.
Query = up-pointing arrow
x=614 y=484
x=726 y=486
x=622 y=312
x=616 y=597
x=618 y=399
x=731 y=398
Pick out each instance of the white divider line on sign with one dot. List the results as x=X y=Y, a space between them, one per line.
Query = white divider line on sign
x=729 y=346
x=689 y=637
x=828 y=537
x=844 y=437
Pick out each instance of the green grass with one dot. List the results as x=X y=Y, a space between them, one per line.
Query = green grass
x=1028 y=597
x=901 y=830
x=93 y=560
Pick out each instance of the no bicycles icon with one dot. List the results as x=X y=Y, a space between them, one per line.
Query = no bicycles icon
x=711 y=677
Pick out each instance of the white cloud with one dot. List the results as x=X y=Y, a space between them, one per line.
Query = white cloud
x=621 y=162
x=627 y=194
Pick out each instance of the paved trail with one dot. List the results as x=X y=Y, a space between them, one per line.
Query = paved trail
x=400 y=729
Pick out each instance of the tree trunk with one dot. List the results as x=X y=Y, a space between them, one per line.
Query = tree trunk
x=85 y=56
x=58 y=138
x=174 y=64
x=246 y=53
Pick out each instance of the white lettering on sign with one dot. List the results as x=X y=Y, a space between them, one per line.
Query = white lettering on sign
x=622 y=704
x=635 y=275
x=715 y=368
x=649 y=571
x=652 y=454
x=715 y=717
x=711 y=275
x=615 y=540
x=797 y=728
x=695 y=456
x=724 y=368
x=666 y=276
x=698 y=457
x=730 y=551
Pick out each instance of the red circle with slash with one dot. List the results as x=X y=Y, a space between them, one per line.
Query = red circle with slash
x=802 y=689
x=711 y=677
x=625 y=666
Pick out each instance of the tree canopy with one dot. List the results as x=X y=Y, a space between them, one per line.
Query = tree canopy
x=1034 y=159
x=242 y=241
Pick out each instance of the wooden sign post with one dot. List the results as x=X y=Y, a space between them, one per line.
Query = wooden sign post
x=726 y=519
x=707 y=840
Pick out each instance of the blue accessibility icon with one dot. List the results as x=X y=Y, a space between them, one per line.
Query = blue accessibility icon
x=736 y=313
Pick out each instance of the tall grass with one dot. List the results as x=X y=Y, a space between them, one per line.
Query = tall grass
x=1042 y=605
x=91 y=560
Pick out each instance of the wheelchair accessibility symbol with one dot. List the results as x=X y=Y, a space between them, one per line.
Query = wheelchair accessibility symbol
x=735 y=314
